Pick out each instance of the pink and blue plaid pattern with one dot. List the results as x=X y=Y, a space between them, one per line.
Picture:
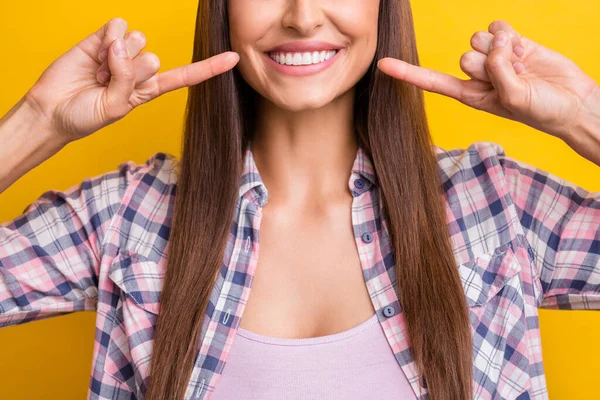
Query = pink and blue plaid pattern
x=523 y=239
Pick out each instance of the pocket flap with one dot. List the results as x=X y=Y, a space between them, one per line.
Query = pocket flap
x=485 y=275
x=138 y=278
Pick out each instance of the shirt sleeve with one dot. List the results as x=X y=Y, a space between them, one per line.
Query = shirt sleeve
x=561 y=222
x=50 y=254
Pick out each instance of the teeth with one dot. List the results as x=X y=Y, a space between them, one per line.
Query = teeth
x=307 y=58
x=315 y=57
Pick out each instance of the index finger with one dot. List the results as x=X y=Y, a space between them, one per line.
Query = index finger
x=192 y=74
x=424 y=78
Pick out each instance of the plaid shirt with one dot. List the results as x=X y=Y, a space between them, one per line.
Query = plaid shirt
x=523 y=239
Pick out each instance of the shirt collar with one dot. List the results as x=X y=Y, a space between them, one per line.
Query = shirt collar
x=253 y=188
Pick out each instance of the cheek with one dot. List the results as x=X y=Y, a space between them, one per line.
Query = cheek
x=247 y=22
x=240 y=33
x=358 y=21
x=362 y=31
x=251 y=21
x=353 y=22
x=249 y=26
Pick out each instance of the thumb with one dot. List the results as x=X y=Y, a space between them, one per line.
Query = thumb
x=500 y=68
x=122 y=81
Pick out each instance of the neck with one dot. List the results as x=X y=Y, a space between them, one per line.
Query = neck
x=305 y=155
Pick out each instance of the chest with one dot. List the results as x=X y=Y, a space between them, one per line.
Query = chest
x=308 y=280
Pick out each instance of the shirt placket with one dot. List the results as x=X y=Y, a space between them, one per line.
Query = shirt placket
x=372 y=241
x=232 y=299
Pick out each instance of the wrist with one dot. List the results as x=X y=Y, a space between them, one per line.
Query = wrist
x=584 y=137
x=31 y=109
x=596 y=106
x=28 y=139
x=590 y=123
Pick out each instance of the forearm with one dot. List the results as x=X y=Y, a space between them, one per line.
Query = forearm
x=585 y=137
x=26 y=140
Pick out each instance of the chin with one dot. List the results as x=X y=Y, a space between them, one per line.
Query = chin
x=300 y=101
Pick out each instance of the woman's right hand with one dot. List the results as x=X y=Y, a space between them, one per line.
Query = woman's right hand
x=73 y=99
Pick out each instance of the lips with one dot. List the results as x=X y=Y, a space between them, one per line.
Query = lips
x=304 y=69
x=303 y=47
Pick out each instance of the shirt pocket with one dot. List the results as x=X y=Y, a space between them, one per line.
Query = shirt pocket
x=493 y=289
x=130 y=343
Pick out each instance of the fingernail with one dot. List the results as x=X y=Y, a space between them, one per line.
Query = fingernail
x=519 y=67
x=120 y=49
x=500 y=39
x=103 y=76
x=519 y=50
x=102 y=55
x=233 y=56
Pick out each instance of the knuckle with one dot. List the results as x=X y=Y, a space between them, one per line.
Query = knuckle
x=112 y=21
x=138 y=36
x=118 y=20
x=477 y=37
x=495 y=24
x=153 y=60
x=105 y=42
x=466 y=59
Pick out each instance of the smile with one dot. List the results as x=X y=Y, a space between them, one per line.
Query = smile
x=302 y=63
x=307 y=58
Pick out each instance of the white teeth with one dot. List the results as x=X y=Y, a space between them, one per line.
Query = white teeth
x=307 y=58
x=315 y=57
x=297 y=59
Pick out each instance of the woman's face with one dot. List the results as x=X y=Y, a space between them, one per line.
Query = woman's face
x=307 y=73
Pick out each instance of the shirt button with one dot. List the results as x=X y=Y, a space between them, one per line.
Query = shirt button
x=388 y=311
x=359 y=183
x=367 y=237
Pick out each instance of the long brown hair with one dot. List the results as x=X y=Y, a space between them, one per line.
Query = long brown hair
x=392 y=127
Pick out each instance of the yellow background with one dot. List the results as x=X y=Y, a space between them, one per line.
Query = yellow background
x=51 y=359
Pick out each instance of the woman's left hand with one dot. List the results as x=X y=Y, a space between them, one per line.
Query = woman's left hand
x=520 y=80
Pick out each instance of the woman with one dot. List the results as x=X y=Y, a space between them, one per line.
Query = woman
x=326 y=103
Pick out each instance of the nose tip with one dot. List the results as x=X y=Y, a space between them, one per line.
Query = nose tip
x=303 y=16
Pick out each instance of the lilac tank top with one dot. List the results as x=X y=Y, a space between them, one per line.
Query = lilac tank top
x=354 y=364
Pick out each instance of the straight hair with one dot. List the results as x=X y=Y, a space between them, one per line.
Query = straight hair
x=392 y=128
